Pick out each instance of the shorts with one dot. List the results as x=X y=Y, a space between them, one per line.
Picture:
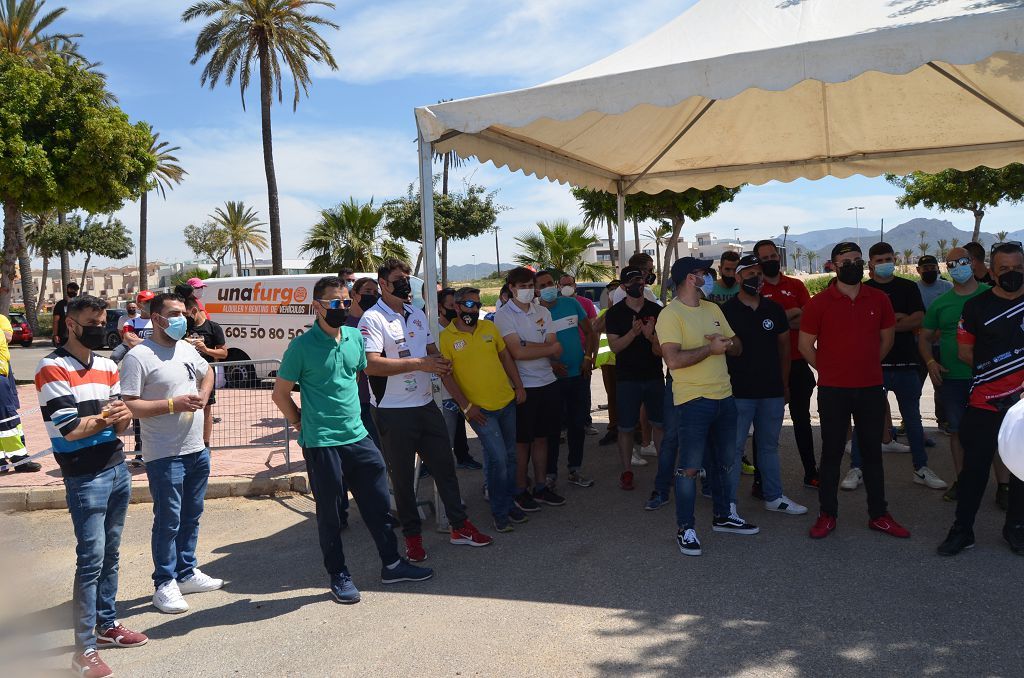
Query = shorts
x=213 y=397
x=630 y=395
x=540 y=415
x=955 y=393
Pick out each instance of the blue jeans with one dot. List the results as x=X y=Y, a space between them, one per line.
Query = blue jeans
x=178 y=485
x=704 y=423
x=98 y=503
x=669 y=452
x=766 y=415
x=906 y=385
x=498 y=440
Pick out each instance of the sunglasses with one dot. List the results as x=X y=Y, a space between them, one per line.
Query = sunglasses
x=962 y=261
x=1007 y=246
x=469 y=303
x=332 y=304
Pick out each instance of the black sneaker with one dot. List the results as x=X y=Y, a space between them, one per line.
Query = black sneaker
x=24 y=466
x=1003 y=496
x=405 y=571
x=734 y=524
x=547 y=496
x=469 y=464
x=424 y=471
x=516 y=515
x=526 y=503
x=609 y=438
x=958 y=539
x=688 y=543
x=1014 y=536
x=951 y=493
x=756 y=491
x=811 y=480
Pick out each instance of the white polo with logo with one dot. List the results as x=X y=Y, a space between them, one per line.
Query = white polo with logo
x=398 y=336
x=533 y=325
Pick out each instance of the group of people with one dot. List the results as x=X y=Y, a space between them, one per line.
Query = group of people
x=690 y=380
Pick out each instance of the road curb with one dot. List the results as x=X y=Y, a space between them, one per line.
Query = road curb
x=54 y=497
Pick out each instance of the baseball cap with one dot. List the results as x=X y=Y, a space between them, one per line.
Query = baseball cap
x=747 y=262
x=196 y=283
x=927 y=259
x=144 y=296
x=844 y=248
x=687 y=265
x=631 y=272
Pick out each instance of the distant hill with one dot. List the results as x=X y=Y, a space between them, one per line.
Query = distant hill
x=465 y=272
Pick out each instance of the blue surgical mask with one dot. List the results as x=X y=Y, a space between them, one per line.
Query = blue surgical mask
x=961 y=274
x=885 y=270
x=708 y=286
x=176 y=327
x=549 y=294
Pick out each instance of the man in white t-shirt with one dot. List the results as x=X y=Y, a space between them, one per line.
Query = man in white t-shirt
x=166 y=383
x=400 y=357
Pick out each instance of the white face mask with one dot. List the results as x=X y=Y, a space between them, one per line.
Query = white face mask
x=525 y=295
x=198 y=292
x=568 y=291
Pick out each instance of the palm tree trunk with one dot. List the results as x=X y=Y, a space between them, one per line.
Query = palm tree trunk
x=143 y=229
x=85 y=272
x=28 y=295
x=12 y=215
x=419 y=261
x=978 y=216
x=42 y=285
x=636 y=236
x=238 y=261
x=673 y=242
x=611 y=246
x=444 y=262
x=65 y=258
x=266 y=87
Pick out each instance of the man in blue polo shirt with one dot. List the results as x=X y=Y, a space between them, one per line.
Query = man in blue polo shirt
x=324 y=362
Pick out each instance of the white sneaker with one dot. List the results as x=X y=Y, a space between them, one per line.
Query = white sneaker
x=167 y=598
x=649 y=451
x=925 y=476
x=786 y=505
x=852 y=480
x=893 y=446
x=637 y=460
x=199 y=583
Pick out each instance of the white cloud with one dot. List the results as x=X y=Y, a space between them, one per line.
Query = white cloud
x=166 y=13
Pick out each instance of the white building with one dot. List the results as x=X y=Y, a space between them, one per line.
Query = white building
x=704 y=246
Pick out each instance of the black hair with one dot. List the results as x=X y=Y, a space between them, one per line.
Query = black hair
x=640 y=259
x=880 y=248
x=764 y=243
x=191 y=303
x=326 y=282
x=72 y=285
x=554 y=273
x=156 y=305
x=446 y=292
x=520 y=275
x=505 y=290
x=86 y=302
x=390 y=265
x=729 y=255
x=345 y=270
x=463 y=292
x=185 y=291
x=358 y=284
x=976 y=250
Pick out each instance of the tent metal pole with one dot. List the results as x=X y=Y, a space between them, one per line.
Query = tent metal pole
x=427 y=222
x=963 y=85
x=620 y=218
x=687 y=128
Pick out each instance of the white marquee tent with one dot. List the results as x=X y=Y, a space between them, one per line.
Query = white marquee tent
x=749 y=91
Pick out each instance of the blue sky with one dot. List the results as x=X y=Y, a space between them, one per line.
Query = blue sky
x=354 y=135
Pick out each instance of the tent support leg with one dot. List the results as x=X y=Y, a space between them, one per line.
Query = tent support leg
x=427 y=223
x=620 y=219
x=963 y=85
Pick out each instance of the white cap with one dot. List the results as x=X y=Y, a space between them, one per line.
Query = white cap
x=1011 y=440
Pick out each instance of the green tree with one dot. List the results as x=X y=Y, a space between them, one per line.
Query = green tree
x=351 y=235
x=1002 y=235
x=923 y=246
x=183 y=277
x=561 y=247
x=165 y=175
x=457 y=216
x=660 y=236
x=908 y=254
x=953 y=190
x=943 y=247
x=953 y=243
x=811 y=258
x=209 y=240
x=242 y=226
x=599 y=207
x=47 y=237
x=22 y=31
x=108 y=238
x=798 y=254
x=61 y=147
x=262 y=33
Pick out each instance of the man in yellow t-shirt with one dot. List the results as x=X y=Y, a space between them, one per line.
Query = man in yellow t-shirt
x=481 y=382
x=695 y=337
x=12 y=438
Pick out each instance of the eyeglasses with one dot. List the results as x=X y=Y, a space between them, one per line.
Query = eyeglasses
x=1007 y=246
x=854 y=262
x=332 y=304
x=469 y=303
x=962 y=261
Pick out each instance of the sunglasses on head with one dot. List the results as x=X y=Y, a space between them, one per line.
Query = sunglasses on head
x=1007 y=246
x=331 y=304
x=469 y=303
x=962 y=261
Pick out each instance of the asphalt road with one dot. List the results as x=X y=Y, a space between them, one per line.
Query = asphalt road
x=595 y=588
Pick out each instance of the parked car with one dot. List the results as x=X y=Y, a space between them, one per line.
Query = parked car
x=22 y=330
x=592 y=291
x=113 y=336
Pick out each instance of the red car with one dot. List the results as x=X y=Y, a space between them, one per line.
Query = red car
x=22 y=330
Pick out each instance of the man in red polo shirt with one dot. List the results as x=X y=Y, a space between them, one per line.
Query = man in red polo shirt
x=844 y=332
x=792 y=295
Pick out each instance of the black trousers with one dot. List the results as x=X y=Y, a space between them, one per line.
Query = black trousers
x=406 y=432
x=572 y=392
x=980 y=446
x=461 y=448
x=362 y=468
x=801 y=387
x=867 y=407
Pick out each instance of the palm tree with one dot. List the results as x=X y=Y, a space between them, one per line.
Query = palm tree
x=1002 y=235
x=811 y=257
x=165 y=175
x=660 y=236
x=907 y=255
x=941 y=243
x=561 y=247
x=351 y=235
x=22 y=31
x=797 y=255
x=598 y=207
x=923 y=246
x=242 y=226
x=242 y=33
x=955 y=242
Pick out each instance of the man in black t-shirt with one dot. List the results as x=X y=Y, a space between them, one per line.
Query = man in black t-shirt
x=208 y=338
x=60 y=328
x=760 y=378
x=639 y=379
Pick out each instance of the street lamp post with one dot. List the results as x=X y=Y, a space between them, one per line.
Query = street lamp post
x=474 y=267
x=856 y=219
x=497 y=254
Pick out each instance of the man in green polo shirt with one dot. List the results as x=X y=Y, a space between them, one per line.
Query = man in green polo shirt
x=324 y=362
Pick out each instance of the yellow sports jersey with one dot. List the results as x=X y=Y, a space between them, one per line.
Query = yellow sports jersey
x=5 y=349
x=687 y=326
x=476 y=366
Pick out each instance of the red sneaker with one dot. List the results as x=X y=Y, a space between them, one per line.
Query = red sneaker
x=89 y=665
x=626 y=480
x=414 y=549
x=889 y=526
x=468 y=534
x=823 y=526
x=119 y=636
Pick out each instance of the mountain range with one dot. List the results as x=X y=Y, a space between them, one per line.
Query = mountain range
x=467 y=272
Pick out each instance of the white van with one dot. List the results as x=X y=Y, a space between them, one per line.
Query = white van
x=261 y=314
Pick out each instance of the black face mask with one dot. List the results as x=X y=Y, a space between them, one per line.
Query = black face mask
x=72 y=295
x=728 y=280
x=752 y=285
x=335 y=317
x=368 y=301
x=929 y=277
x=1011 y=281
x=401 y=288
x=771 y=268
x=470 y=318
x=92 y=337
x=635 y=291
x=450 y=314
x=850 y=273
x=651 y=279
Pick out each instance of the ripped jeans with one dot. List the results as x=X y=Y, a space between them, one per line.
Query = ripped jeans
x=704 y=423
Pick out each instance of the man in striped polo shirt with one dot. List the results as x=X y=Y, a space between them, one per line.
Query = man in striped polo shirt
x=78 y=396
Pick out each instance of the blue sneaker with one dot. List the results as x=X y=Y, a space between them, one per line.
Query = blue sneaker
x=469 y=464
x=404 y=571
x=516 y=515
x=343 y=590
x=656 y=501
